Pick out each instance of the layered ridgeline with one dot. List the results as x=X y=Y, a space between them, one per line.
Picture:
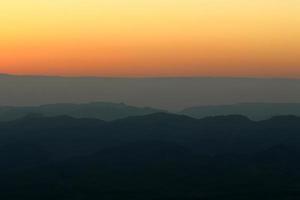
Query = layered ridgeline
x=157 y=156
x=98 y=110
x=255 y=111
x=112 y=111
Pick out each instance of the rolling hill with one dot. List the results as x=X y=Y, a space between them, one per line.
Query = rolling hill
x=157 y=156
x=255 y=111
x=98 y=110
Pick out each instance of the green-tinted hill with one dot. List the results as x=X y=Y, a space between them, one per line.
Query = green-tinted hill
x=98 y=110
x=255 y=111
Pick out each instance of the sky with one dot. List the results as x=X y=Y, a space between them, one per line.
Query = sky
x=253 y=38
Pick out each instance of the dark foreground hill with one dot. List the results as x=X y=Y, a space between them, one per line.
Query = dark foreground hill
x=255 y=111
x=158 y=156
x=99 y=110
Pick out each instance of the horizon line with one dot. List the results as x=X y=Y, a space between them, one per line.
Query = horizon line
x=148 y=77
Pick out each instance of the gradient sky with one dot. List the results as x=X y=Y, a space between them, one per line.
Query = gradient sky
x=151 y=38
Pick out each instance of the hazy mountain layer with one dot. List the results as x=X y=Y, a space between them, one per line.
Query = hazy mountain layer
x=99 y=110
x=165 y=93
x=113 y=111
x=255 y=111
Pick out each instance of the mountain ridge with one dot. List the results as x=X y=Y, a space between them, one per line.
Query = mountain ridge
x=164 y=93
x=255 y=111
x=100 y=110
x=172 y=157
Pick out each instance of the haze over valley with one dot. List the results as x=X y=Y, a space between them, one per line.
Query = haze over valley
x=173 y=94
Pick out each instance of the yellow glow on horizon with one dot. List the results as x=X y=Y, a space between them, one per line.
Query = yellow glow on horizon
x=150 y=38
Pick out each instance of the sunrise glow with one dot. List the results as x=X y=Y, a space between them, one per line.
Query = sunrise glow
x=150 y=38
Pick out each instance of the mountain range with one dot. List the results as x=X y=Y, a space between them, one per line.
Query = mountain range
x=113 y=111
x=165 y=93
x=255 y=111
x=99 y=110
x=156 y=156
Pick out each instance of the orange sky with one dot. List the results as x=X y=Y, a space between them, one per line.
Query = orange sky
x=151 y=38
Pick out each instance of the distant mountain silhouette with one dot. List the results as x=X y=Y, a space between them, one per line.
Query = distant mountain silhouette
x=99 y=110
x=156 y=156
x=113 y=111
x=255 y=111
x=166 y=93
